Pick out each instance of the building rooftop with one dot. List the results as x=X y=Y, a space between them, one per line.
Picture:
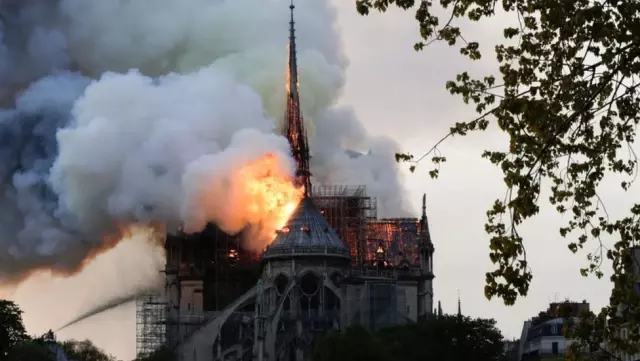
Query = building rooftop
x=306 y=233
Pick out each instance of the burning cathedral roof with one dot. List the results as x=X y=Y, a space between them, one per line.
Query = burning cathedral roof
x=307 y=233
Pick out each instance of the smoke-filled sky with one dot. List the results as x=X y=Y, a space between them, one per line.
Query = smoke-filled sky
x=131 y=113
x=356 y=74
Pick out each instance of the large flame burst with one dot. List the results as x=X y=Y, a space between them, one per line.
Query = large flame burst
x=271 y=195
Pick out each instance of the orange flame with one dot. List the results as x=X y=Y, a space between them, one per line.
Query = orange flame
x=272 y=197
x=288 y=83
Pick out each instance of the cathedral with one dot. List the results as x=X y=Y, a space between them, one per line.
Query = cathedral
x=332 y=265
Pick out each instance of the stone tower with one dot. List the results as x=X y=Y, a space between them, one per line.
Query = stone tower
x=425 y=285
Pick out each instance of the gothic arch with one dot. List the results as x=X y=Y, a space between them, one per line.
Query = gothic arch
x=208 y=334
x=272 y=327
x=310 y=283
x=278 y=311
x=281 y=283
x=306 y=270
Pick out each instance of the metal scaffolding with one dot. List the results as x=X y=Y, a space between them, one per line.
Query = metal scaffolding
x=347 y=209
x=151 y=323
x=217 y=260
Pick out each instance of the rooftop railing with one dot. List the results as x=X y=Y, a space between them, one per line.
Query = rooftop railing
x=299 y=250
x=387 y=273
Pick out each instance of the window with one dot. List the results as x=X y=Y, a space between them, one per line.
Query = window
x=554 y=348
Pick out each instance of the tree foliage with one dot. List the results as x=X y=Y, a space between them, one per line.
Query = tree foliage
x=567 y=98
x=356 y=344
x=448 y=337
x=436 y=338
x=162 y=354
x=31 y=350
x=12 y=331
x=84 y=351
x=16 y=345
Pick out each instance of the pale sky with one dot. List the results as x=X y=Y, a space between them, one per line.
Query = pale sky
x=399 y=93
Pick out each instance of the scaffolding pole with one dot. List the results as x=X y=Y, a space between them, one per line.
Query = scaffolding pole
x=150 y=323
x=347 y=209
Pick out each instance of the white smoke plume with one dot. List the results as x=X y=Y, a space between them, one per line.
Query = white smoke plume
x=115 y=109
x=127 y=155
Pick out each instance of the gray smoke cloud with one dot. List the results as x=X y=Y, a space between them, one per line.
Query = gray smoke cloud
x=34 y=232
x=31 y=44
x=111 y=109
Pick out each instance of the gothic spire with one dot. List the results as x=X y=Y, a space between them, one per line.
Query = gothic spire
x=294 y=125
x=425 y=235
x=293 y=60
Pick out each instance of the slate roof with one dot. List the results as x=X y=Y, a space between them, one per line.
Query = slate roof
x=307 y=233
